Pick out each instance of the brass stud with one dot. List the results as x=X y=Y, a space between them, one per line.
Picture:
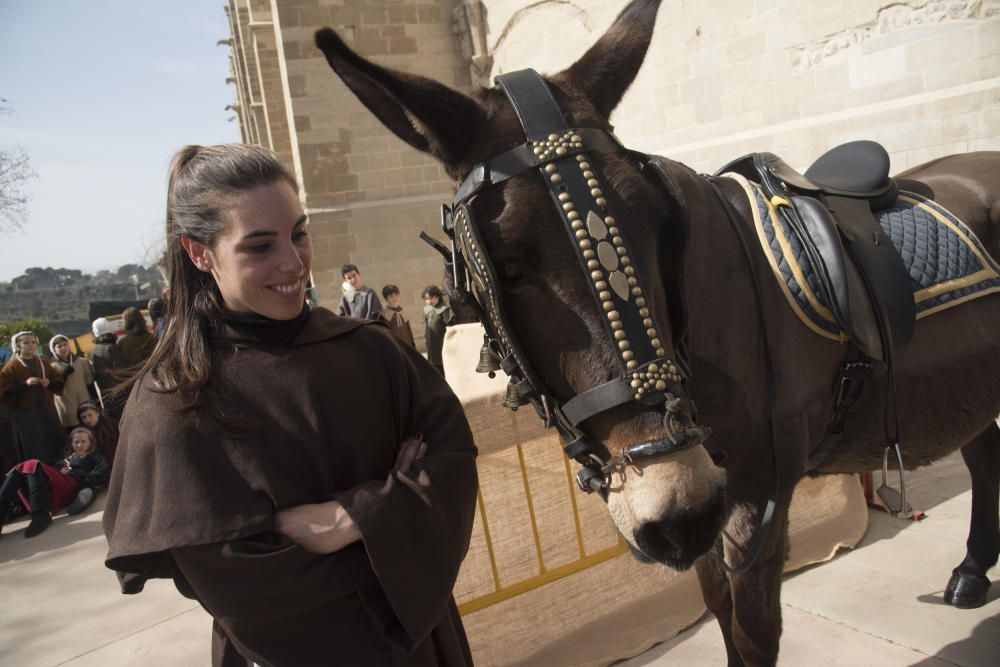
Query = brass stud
x=621 y=251
x=616 y=326
x=586 y=244
x=629 y=271
x=644 y=312
x=623 y=345
x=589 y=254
x=635 y=384
x=575 y=137
x=636 y=291
x=584 y=165
x=576 y=224
x=596 y=275
x=660 y=385
x=604 y=295
x=611 y=223
x=608 y=306
x=581 y=233
x=593 y=264
x=568 y=206
x=628 y=355
x=588 y=174
x=632 y=282
x=537 y=151
x=619 y=335
x=651 y=333
x=555 y=178
x=573 y=215
x=596 y=192
x=593 y=183
x=550 y=168
x=614 y=315
x=640 y=302
x=617 y=240
x=581 y=158
x=553 y=137
x=653 y=368
x=661 y=353
x=601 y=201
x=626 y=261
x=656 y=343
x=631 y=364
x=563 y=196
x=560 y=151
x=602 y=285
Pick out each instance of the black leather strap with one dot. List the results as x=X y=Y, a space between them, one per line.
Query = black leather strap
x=599 y=399
x=531 y=98
x=522 y=158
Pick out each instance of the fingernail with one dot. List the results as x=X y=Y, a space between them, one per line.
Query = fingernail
x=423 y=449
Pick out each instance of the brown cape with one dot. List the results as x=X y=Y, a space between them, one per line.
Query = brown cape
x=189 y=502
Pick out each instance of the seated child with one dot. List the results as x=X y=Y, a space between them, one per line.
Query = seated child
x=45 y=489
x=105 y=430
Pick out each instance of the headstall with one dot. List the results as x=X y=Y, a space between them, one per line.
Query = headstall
x=647 y=374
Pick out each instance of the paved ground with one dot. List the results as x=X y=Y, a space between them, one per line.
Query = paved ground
x=879 y=604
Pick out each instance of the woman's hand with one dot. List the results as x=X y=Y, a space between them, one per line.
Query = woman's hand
x=320 y=528
x=323 y=528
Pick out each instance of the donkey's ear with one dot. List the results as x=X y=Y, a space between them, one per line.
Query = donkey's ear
x=428 y=115
x=606 y=71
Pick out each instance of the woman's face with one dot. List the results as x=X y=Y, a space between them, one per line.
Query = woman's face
x=82 y=443
x=62 y=348
x=26 y=346
x=89 y=417
x=261 y=261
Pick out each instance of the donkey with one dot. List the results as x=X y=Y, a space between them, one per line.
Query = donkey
x=761 y=380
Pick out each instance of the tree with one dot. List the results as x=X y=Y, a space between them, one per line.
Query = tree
x=15 y=172
x=42 y=332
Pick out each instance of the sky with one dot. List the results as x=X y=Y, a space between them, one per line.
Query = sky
x=103 y=93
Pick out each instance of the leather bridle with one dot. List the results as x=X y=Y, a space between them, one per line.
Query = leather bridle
x=647 y=371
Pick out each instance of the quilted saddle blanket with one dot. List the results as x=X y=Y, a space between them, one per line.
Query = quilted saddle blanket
x=947 y=262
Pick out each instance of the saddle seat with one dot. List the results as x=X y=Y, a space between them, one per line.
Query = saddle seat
x=830 y=209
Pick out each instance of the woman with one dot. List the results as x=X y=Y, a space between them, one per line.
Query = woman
x=104 y=429
x=77 y=379
x=28 y=386
x=253 y=472
x=136 y=344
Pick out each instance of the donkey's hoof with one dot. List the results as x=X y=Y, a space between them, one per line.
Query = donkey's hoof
x=966 y=591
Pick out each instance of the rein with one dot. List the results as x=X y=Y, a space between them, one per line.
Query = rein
x=764 y=528
x=647 y=374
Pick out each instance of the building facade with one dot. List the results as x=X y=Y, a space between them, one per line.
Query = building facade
x=722 y=78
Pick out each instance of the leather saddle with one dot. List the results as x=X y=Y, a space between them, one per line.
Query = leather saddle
x=830 y=210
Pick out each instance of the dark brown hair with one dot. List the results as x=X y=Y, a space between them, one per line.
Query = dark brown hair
x=201 y=187
x=135 y=323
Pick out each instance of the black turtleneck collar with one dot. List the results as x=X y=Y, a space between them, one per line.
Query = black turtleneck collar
x=257 y=328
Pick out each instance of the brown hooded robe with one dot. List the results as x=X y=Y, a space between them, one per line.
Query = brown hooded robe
x=327 y=415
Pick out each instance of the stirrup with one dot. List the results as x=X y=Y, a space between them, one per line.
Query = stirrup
x=894 y=501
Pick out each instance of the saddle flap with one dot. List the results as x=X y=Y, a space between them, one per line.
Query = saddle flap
x=837 y=274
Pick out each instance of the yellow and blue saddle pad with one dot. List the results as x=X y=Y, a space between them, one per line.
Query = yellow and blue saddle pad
x=948 y=264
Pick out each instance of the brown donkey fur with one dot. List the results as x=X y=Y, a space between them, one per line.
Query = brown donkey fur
x=948 y=380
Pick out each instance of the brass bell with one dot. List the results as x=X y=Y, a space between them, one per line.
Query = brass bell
x=487 y=360
x=513 y=399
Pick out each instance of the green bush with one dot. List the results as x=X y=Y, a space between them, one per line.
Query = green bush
x=42 y=332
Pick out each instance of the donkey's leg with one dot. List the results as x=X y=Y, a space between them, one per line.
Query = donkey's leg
x=750 y=619
x=718 y=597
x=968 y=584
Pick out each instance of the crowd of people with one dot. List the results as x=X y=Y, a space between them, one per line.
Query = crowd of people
x=63 y=417
x=361 y=302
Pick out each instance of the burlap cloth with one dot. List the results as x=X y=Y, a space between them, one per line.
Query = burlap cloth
x=600 y=612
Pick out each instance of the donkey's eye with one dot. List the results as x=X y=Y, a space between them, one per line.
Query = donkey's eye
x=509 y=272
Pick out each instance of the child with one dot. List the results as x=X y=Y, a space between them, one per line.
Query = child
x=437 y=316
x=45 y=489
x=358 y=300
x=77 y=380
x=394 y=315
x=104 y=429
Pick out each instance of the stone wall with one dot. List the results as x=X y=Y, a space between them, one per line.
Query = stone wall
x=790 y=76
